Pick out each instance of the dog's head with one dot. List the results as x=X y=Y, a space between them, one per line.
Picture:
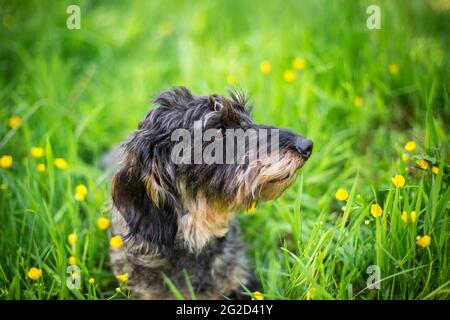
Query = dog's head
x=194 y=161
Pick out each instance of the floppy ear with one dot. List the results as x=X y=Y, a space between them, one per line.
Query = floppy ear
x=144 y=218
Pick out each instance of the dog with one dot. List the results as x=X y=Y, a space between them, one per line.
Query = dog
x=176 y=219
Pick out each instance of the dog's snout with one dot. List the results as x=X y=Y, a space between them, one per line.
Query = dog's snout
x=304 y=147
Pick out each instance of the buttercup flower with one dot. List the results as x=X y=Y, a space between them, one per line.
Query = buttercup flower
x=298 y=63
x=310 y=294
x=423 y=164
x=91 y=280
x=257 y=296
x=405 y=157
x=341 y=194
x=398 y=181
x=358 y=102
x=405 y=217
x=81 y=188
x=265 y=67
x=122 y=277
x=79 y=197
x=435 y=170
x=393 y=68
x=72 y=238
x=72 y=261
x=34 y=273
x=80 y=192
x=410 y=146
x=375 y=210
x=412 y=217
x=14 y=121
x=37 y=152
x=40 y=167
x=231 y=79
x=252 y=208
x=423 y=241
x=6 y=161
x=60 y=163
x=116 y=242
x=102 y=223
x=289 y=76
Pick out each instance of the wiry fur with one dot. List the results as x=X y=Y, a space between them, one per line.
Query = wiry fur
x=177 y=218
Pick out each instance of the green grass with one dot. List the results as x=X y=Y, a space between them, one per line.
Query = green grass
x=79 y=92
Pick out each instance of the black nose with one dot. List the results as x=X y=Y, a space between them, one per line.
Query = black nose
x=304 y=147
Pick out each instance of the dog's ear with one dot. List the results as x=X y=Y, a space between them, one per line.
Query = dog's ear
x=224 y=108
x=153 y=223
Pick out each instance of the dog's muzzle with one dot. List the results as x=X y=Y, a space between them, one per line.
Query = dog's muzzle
x=304 y=147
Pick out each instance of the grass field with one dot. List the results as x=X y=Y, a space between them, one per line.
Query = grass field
x=312 y=66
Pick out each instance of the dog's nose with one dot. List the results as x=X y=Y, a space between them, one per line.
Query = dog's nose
x=304 y=147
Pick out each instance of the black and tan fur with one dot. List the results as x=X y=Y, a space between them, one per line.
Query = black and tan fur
x=178 y=219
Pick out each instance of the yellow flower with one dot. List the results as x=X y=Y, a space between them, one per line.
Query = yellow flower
x=410 y=146
x=80 y=192
x=257 y=296
x=398 y=181
x=298 y=63
x=289 y=76
x=435 y=170
x=375 y=210
x=60 y=163
x=405 y=157
x=423 y=241
x=367 y=222
x=40 y=167
x=423 y=164
x=102 y=223
x=6 y=161
x=358 y=102
x=79 y=197
x=412 y=217
x=231 y=79
x=37 y=152
x=265 y=67
x=116 y=242
x=252 y=208
x=393 y=68
x=91 y=280
x=81 y=188
x=72 y=238
x=72 y=261
x=310 y=295
x=34 y=273
x=122 y=277
x=14 y=122
x=165 y=29
x=405 y=217
x=341 y=194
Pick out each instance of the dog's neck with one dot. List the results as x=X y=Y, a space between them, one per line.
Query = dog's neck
x=201 y=223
